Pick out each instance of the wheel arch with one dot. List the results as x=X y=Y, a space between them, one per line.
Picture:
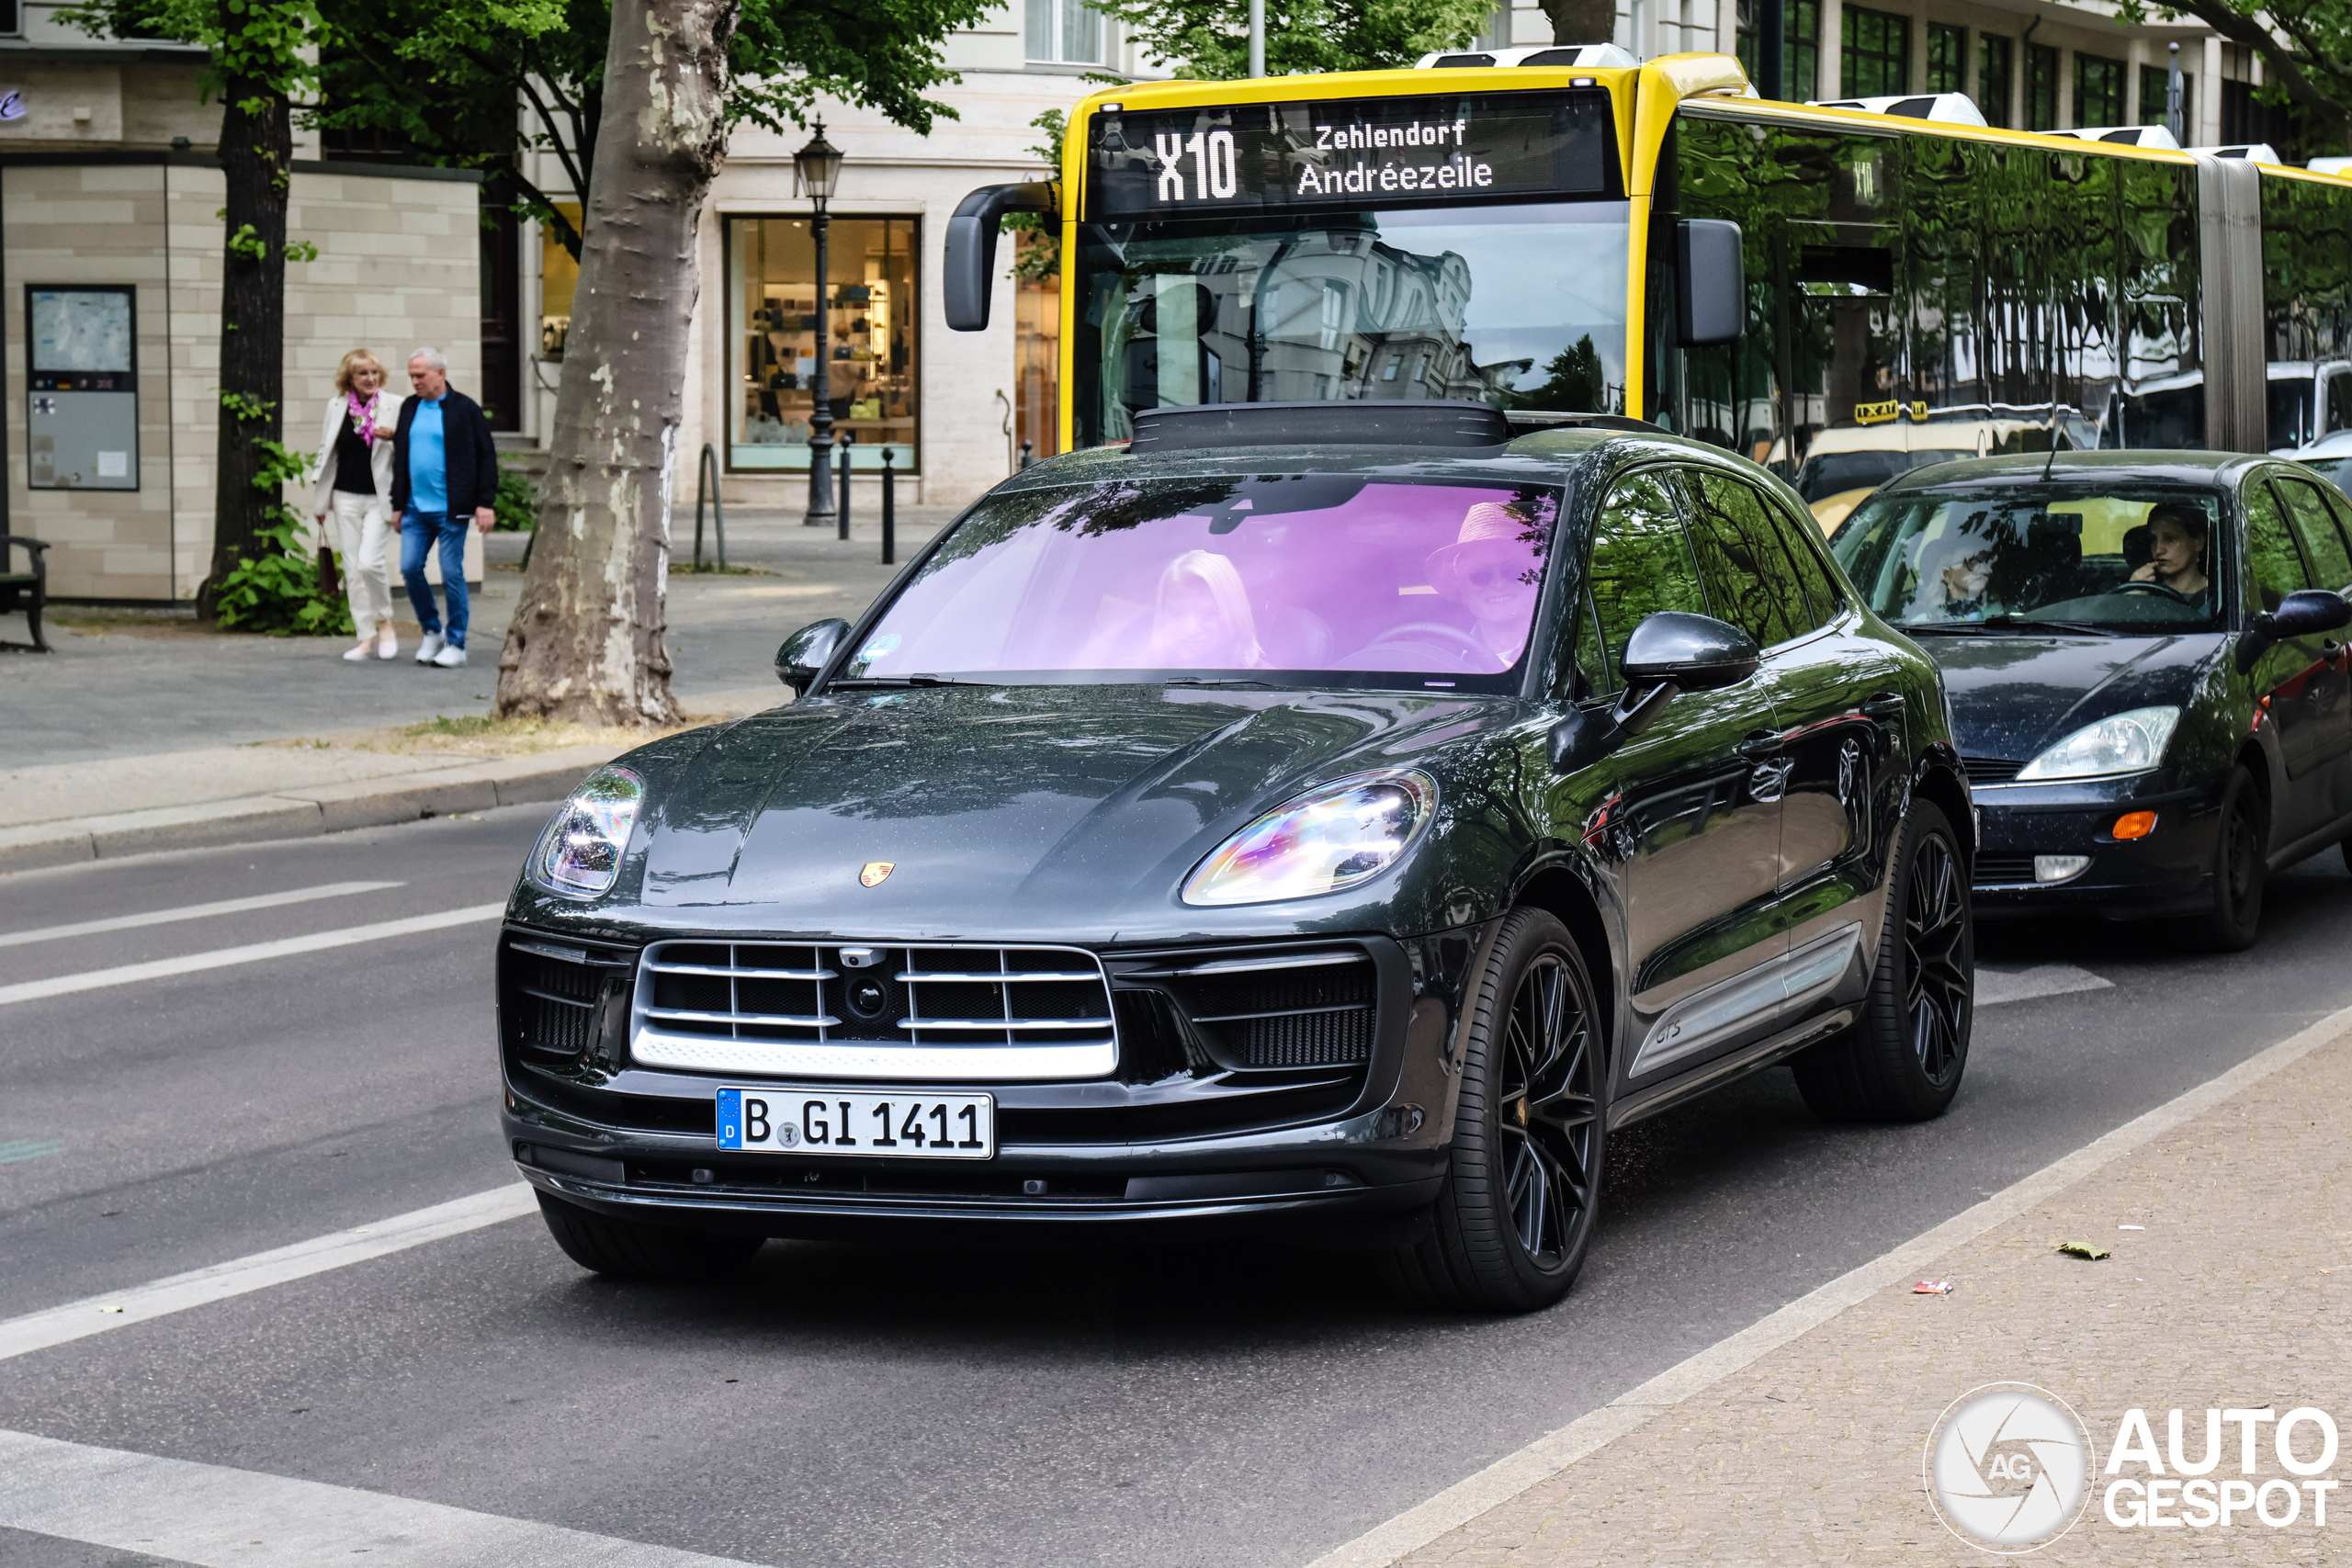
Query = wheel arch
x=1941 y=782
x=1556 y=888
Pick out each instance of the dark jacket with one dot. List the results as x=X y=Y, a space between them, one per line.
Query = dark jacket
x=465 y=445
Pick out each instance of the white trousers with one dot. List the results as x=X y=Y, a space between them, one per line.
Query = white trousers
x=363 y=533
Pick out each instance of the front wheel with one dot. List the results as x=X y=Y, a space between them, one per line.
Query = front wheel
x=2239 y=862
x=1903 y=1058
x=1515 y=1217
x=630 y=1249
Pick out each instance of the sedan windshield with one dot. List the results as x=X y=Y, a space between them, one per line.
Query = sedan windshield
x=2120 y=558
x=1276 y=580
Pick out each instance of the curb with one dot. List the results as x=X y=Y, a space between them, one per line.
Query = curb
x=304 y=813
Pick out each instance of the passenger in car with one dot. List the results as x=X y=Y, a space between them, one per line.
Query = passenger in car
x=2179 y=538
x=1487 y=572
x=1201 y=618
x=1952 y=576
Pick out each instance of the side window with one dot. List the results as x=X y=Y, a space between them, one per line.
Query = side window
x=1742 y=561
x=1640 y=565
x=2316 y=528
x=2273 y=566
x=1821 y=590
x=2339 y=401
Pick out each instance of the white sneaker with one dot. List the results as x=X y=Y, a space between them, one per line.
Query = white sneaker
x=433 y=643
x=449 y=658
x=387 y=647
x=353 y=656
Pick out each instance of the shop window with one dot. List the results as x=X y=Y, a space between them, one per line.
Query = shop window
x=2155 y=81
x=1037 y=342
x=2040 y=88
x=1947 y=58
x=869 y=311
x=1065 y=30
x=1876 y=57
x=2099 y=90
x=1996 y=78
x=558 y=276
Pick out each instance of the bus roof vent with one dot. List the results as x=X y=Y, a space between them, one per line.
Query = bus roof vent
x=2126 y=135
x=2252 y=152
x=1953 y=109
x=1578 y=56
x=1416 y=422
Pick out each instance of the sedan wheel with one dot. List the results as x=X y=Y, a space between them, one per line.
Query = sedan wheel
x=2240 y=861
x=1522 y=1190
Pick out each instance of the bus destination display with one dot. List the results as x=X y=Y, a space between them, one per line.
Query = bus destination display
x=1352 y=152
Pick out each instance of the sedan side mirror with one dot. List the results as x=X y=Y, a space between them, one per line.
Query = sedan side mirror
x=1697 y=653
x=806 y=653
x=2300 y=614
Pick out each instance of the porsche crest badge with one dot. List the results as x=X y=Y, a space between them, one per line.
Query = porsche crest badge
x=876 y=871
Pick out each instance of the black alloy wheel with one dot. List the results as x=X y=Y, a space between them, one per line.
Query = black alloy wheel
x=1902 y=1057
x=629 y=1249
x=1513 y=1223
x=2241 y=864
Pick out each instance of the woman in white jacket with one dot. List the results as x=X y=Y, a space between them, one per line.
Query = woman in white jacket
x=355 y=485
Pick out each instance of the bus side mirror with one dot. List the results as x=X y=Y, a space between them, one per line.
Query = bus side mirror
x=969 y=265
x=1712 y=299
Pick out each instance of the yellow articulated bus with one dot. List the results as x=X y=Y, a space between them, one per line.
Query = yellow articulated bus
x=1841 y=294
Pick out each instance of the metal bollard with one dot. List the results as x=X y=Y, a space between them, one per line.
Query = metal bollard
x=1026 y=458
x=846 y=441
x=706 y=469
x=890 y=509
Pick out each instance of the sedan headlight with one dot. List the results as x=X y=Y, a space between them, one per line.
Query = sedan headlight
x=1328 y=840
x=580 y=852
x=2130 y=743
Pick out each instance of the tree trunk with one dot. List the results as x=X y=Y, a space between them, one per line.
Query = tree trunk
x=586 y=643
x=257 y=149
x=1581 y=21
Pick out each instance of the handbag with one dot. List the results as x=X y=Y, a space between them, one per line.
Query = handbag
x=328 y=582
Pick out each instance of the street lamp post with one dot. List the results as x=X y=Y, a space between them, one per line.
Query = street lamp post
x=816 y=168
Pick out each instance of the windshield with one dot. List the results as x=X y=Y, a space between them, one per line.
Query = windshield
x=2337 y=470
x=1825 y=474
x=1518 y=306
x=2119 y=559
x=1279 y=579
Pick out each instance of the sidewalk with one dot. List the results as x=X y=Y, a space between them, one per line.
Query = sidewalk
x=143 y=731
x=2236 y=1294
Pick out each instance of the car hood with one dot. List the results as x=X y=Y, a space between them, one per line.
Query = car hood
x=1005 y=810
x=2014 y=696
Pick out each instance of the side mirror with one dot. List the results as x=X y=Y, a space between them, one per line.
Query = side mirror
x=968 y=271
x=1712 y=292
x=2299 y=614
x=806 y=651
x=1696 y=653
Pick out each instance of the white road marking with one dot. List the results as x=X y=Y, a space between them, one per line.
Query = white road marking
x=1549 y=1455
x=194 y=912
x=200 y=1287
x=1995 y=987
x=123 y=975
x=209 y=1514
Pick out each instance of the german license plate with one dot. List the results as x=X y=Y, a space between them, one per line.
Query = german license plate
x=775 y=1121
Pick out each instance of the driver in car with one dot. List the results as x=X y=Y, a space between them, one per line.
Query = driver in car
x=2178 y=537
x=1487 y=570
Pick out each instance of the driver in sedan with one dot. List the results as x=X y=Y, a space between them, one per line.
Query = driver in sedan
x=2179 y=537
x=1487 y=570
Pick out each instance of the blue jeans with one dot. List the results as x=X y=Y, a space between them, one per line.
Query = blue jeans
x=417 y=532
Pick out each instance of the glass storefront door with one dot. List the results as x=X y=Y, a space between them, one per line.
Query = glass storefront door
x=868 y=309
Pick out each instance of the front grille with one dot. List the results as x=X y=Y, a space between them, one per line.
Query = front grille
x=552 y=991
x=853 y=1010
x=2000 y=869
x=1990 y=770
x=1296 y=1010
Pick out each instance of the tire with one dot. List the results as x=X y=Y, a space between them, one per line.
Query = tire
x=629 y=1249
x=2240 y=868
x=1903 y=1059
x=1515 y=1216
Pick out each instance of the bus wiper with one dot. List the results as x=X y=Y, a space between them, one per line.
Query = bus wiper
x=881 y=682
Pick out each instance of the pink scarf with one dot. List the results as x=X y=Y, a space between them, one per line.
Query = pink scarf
x=362 y=416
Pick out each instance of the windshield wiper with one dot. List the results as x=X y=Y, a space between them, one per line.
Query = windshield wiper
x=879 y=682
x=2020 y=623
x=2006 y=626
x=1216 y=681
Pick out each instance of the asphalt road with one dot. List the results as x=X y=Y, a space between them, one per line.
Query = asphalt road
x=839 y=1405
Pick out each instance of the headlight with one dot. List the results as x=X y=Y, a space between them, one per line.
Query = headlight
x=580 y=852
x=2128 y=743
x=1330 y=839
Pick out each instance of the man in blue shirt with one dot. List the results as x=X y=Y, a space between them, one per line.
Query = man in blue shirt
x=444 y=474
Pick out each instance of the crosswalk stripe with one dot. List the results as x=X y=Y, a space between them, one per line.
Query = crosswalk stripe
x=215 y=1516
x=255 y=952
x=193 y=912
x=259 y=1272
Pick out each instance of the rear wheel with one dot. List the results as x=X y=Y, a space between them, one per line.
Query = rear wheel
x=631 y=1249
x=2240 y=866
x=1523 y=1190
x=1903 y=1058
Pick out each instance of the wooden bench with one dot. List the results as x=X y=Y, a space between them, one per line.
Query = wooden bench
x=24 y=591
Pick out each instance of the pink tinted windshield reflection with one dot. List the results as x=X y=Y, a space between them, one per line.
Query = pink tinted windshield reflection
x=1434 y=579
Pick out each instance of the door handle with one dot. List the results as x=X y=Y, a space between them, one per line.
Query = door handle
x=1760 y=743
x=1886 y=704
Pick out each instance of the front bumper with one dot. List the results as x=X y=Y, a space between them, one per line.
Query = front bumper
x=2170 y=872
